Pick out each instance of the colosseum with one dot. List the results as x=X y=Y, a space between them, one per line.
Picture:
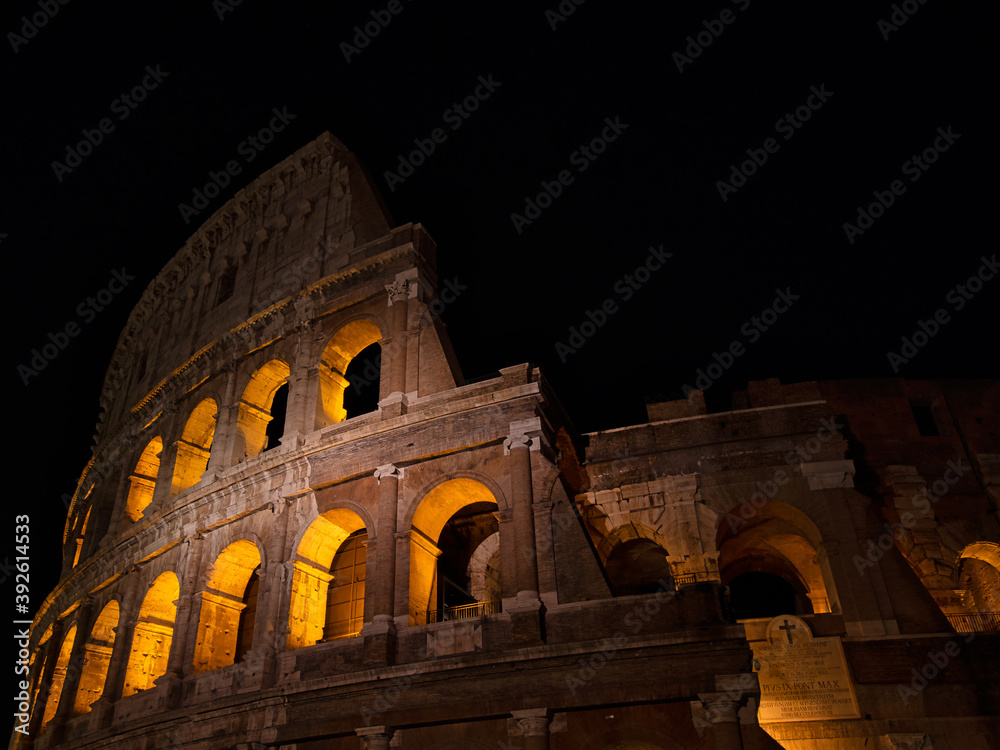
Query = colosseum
x=302 y=528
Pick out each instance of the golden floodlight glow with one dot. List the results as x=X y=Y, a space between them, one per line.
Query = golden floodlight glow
x=255 y=408
x=311 y=577
x=434 y=511
x=143 y=480
x=221 y=605
x=194 y=446
x=97 y=657
x=345 y=345
x=154 y=630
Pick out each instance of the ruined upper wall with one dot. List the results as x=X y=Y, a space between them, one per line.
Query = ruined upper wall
x=297 y=223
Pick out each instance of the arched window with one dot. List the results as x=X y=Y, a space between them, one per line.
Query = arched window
x=453 y=520
x=194 y=447
x=223 y=603
x=345 y=599
x=637 y=566
x=59 y=675
x=312 y=577
x=345 y=347
x=97 y=657
x=276 y=427
x=143 y=480
x=248 y=617
x=154 y=631
x=257 y=428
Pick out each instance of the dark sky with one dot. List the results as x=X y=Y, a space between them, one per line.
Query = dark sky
x=686 y=111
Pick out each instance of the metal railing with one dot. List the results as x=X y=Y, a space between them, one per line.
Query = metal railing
x=981 y=622
x=464 y=611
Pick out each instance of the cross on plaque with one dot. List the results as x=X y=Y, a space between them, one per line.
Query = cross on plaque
x=788 y=630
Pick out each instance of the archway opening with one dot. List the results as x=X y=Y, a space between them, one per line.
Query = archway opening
x=256 y=425
x=276 y=427
x=223 y=603
x=315 y=569
x=97 y=657
x=343 y=348
x=152 y=636
x=143 y=480
x=345 y=600
x=638 y=566
x=59 y=676
x=194 y=447
x=248 y=617
x=363 y=375
x=759 y=594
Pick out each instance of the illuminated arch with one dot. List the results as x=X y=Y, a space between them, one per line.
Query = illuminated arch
x=59 y=675
x=432 y=514
x=311 y=577
x=222 y=603
x=194 y=447
x=780 y=540
x=255 y=408
x=344 y=346
x=143 y=480
x=484 y=570
x=97 y=656
x=980 y=577
x=153 y=633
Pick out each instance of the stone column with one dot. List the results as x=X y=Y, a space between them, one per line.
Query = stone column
x=375 y=738
x=67 y=697
x=220 y=455
x=380 y=633
x=270 y=633
x=722 y=710
x=534 y=726
x=300 y=382
x=393 y=403
x=525 y=611
x=115 y=680
x=189 y=571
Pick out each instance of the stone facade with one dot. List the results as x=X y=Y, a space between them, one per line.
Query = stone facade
x=457 y=567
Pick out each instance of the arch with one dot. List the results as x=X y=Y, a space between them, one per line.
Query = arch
x=428 y=549
x=222 y=603
x=980 y=577
x=780 y=540
x=626 y=532
x=638 y=566
x=59 y=675
x=345 y=344
x=345 y=600
x=142 y=482
x=311 y=573
x=153 y=633
x=97 y=656
x=484 y=570
x=255 y=409
x=194 y=446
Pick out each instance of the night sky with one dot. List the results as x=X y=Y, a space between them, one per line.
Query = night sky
x=645 y=114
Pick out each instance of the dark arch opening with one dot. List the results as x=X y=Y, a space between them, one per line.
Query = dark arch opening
x=276 y=427
x=244 y=635
x=755 y=594
x=363 y=375
x=458 y=542
x=638 y=566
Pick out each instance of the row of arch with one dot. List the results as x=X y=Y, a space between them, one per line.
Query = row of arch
x=349 y=374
